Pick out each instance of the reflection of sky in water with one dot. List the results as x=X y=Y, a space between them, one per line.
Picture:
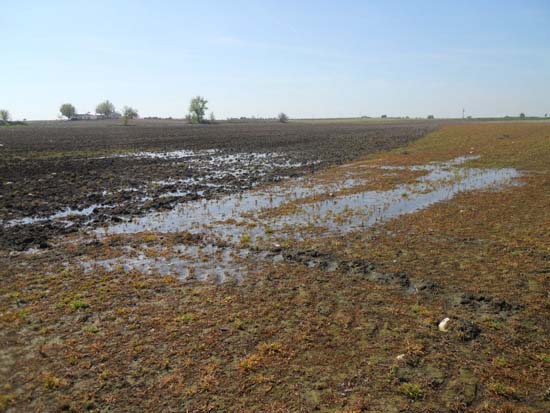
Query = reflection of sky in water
x=442 y=182
x=336 y=215
x=210 y=169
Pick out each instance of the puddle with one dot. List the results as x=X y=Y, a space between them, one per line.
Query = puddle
x=348 y=213
x=195 y=217
x=362 y=209
x=229 y=172
x=203 y=263
x=207 y=174
x=178 y=154
x=58 y=216
x=234 y=218
x=218 y=158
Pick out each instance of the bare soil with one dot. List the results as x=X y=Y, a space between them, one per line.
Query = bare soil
x=50 y=167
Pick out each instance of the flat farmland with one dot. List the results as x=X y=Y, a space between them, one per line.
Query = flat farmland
x=95 y=172
x=388 y=267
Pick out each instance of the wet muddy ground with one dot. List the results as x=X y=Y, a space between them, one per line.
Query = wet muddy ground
x=55 y=178
x=412 y=280
x=251 y=226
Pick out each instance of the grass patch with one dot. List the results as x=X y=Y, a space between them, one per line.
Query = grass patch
x=503 y=390
x=78 y=304
x=412 y=390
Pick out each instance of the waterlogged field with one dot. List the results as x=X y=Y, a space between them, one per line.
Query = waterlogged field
x=414 y=279
x=63 y=176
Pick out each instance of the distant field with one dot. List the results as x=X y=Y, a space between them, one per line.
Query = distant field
x=363 y=120
x=422 y=120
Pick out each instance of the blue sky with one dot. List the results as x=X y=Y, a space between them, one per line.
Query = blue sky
x=308 y=58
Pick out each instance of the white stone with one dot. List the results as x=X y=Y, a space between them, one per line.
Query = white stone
x=444 y=324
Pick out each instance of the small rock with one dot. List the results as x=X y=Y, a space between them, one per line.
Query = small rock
x=400 y=357
x=444 y=324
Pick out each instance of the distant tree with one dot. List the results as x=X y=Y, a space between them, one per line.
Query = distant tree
x=105 y=108
x=4 y=115
x=212 y=117
x=384 y=116
x=197 y=109
x=522 y=115
x=67 y=110
x=283 y=118
x=128 y=114
x=431 y=117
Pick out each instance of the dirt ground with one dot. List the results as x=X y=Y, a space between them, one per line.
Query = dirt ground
x=50 y=167
x=363 y=336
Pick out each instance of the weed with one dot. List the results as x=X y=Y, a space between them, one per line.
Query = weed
x=500 y=361
x=49 y=381
x=238 y=323
x=185 y=318
x=411 y=390
x=250 y=362
x=5 y=400
x=23 y=314
x=78 y=304
x=92 y=329
x=503 y=390
x=270 y=348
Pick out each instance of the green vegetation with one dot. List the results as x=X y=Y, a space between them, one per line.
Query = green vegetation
x=411 y=390
x=67 y=110
x=4 y=115
x=503 y=390
x=77 y=304
x=197 y=109
x=128 y=113
x=91 y=329
x=105 y=108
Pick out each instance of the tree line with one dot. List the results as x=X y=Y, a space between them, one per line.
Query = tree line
x=196 y=112
x=105 y=108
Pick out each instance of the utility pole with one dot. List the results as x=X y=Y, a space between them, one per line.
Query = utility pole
x=463 y=111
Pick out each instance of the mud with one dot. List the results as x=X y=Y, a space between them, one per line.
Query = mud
x=99 y=171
